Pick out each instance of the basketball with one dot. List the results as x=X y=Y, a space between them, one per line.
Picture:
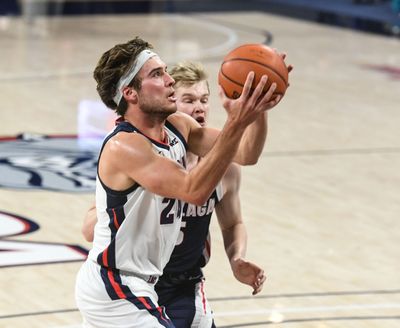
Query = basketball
x=258 y=58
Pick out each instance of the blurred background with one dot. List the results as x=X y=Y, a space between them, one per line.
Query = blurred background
x=380 y=16
x=321 y=206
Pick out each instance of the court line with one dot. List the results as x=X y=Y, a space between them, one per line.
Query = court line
x=329 y=152
x=352 y=318
x=34 y=76
x=28 y=314
x=334 y=308
x=237 y=298
x=246 y=28
x=270 y=311
x=320 y=294
x=219 y=50
x=316 y=319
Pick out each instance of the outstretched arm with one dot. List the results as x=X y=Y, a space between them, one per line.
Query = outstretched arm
x=254 y=133
x=128 y=158
x=254 y=137
x=234 y=232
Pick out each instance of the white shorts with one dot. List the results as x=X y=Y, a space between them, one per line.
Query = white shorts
x=203 y=317
x=106 y=299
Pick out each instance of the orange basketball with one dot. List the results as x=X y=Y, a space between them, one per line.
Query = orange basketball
x=258 y=58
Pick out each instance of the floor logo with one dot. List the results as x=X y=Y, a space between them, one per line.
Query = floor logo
x=17 y=252
x=59 y=163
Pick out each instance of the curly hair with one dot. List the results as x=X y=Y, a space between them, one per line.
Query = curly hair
x=113 y=64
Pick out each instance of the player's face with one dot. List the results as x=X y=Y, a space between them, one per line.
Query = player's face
x=193 y=100
x=156 y=95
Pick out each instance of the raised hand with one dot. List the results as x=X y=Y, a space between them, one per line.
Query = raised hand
x=249 y=105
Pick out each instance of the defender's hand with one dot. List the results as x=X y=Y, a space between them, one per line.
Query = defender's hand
x=245 y=109
x=248 y=273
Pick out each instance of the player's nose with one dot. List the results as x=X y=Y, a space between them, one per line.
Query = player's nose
x=199 y=107
x=169 y=80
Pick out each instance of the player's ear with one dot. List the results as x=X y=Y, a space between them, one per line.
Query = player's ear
x=130 y=95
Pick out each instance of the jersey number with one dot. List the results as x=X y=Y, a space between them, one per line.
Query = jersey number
x=169 y=214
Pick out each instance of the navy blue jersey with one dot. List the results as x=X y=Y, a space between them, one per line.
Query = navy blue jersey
x=191 y=248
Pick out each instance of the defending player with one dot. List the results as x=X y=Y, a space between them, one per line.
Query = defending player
x=181 y=287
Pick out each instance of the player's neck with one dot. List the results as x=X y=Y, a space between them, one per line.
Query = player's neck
x=151 y=125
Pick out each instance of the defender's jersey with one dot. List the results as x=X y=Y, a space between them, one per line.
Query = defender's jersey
x=136 y=229
x=193 y=248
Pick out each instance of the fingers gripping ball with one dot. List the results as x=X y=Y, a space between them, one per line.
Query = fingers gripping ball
x=258 y=58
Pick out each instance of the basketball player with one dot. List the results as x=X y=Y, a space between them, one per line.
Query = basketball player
x=142 y=181
x=181 y=287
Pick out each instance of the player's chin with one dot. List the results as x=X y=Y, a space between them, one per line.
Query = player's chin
x=170 y=108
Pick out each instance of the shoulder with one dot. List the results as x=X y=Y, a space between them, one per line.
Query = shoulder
x=186 y=125
x=182 y=122
x=179 y=118
x=124 y=154
x=126 y=144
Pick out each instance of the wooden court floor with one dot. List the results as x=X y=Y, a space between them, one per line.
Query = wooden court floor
x=322 y=206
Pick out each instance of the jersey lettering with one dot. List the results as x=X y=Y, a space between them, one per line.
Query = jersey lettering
x=211 y=206
x=190 y=210
x=201 y=210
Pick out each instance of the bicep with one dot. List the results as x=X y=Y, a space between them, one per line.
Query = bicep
x=161 y=176
x=154 y=172
x=131 y=158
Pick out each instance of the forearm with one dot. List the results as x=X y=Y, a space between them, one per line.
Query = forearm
x=235 y=242
x=253 y=141
x=203 y=179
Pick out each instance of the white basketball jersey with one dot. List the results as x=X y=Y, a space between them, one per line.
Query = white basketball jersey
x=136 y=229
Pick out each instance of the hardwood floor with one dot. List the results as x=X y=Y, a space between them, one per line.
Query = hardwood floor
x=321 y=206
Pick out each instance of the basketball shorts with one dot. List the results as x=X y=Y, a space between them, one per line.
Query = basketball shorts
x=186 y=303
x=108 y=299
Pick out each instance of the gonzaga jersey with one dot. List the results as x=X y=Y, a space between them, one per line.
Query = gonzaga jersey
x=192 y=247
x=136 y=229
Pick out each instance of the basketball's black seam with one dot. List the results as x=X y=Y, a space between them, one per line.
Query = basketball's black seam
x=256 y=62
x=253 y=61
x=241 y=85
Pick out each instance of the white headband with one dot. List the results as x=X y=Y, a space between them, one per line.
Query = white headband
x=143 y=57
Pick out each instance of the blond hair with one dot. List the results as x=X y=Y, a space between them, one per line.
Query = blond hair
x=188 y=73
